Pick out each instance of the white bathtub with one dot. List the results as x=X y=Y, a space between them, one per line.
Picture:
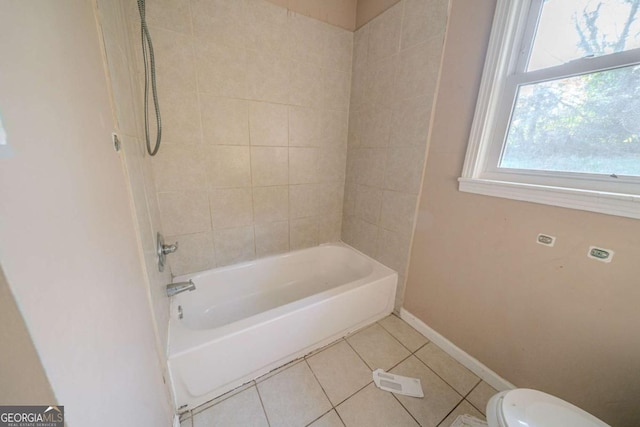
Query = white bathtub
x=244 y=320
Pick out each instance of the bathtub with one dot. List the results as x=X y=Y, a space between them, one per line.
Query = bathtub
x=245 y=320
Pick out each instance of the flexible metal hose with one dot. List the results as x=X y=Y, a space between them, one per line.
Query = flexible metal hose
x=149 y=77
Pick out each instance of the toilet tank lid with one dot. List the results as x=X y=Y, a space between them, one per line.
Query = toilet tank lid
x=532 y=408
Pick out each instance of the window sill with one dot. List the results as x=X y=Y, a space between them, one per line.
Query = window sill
x=625 y=205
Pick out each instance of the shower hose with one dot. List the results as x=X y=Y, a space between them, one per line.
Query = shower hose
x=149 y=80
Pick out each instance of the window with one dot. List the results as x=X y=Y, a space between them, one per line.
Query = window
x=558 y=113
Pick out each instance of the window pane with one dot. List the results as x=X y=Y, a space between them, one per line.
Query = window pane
x=588 y=123
x=572 y=29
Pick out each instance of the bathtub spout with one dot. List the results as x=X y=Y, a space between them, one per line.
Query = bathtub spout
x=176 y=288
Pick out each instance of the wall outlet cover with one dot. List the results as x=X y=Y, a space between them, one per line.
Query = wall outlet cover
x=545 y=239
x=600 y=254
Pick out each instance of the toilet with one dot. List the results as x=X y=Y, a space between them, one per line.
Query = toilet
x=524 y=407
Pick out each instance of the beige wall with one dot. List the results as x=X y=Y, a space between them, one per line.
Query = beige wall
x=369 y=9
x=341 y=13
x=395 y=70
x=255 y=112
x=545 y=318
x=67 y=239
x=23 y=379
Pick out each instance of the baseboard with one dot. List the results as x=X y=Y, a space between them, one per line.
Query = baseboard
x=470 y=362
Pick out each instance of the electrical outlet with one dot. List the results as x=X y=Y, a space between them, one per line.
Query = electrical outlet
x=600 y=254
x=546 y=240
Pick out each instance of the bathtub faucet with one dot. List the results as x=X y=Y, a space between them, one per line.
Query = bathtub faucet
x=176 y=288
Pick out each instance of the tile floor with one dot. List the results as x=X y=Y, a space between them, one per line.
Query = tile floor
x=333 y=387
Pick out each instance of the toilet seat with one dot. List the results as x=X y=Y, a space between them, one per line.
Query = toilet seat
x=532 y=408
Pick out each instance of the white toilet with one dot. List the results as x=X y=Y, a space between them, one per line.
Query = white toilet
x=524 y=407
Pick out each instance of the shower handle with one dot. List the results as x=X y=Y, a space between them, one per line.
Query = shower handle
x=169 y=249
x=163 y=250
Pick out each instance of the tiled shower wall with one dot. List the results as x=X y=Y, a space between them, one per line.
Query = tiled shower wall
x=254 y=106
x=395 y=70
x=128 y=121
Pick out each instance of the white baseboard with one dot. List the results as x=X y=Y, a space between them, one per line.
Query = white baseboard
x=470 y=362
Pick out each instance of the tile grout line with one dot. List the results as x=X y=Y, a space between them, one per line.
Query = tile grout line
x=445 y=381
x=264 y=410
x=405 y=409
x=320 y=384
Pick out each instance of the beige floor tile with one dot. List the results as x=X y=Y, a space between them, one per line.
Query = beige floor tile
x=186 y=423
x=377 y=347
x=340 y=371
x=293 y=397
x=464 y=408
x=439 y=398
x=480 y=395
x=330 y=419
x=243 y=409
x=449 y=369
x=372 y=407
x=404 y=333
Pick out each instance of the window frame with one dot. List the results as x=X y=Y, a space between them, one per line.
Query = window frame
x=511 y=40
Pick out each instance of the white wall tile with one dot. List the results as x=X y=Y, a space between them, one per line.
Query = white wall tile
x=379 y=81
x=308 y=39
x=231 y=207
x=307 y=84
x=272 y=238
x=269 y=124
x=403 y=171
x=234 y=245
x=304 y=126
x=230 y=166
x=180 y=167
x=268 y=77
x=398 y=212
x=303 y=233
x=423 y=19
x=410 y=123
x=332 y=163
x=180 y=116
x=169 y=14
x=304 y=165
x=393 y=250
x=174 y=59
x=269 y=166
x=330 y=196
x=184 y=213
x=361 y=235
x=220 y=21
x=304 y=200
x=417 y=72
x=385 y=33
x=368 y=203
x=336 y=89
x=329 y=228
x=268 y=29
x=270 y=204
x=374 y=127
x=338 y=49
x=221 y=70
x=370 y=163
x=334 y=125
x=225 y=121
x=195 y=253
